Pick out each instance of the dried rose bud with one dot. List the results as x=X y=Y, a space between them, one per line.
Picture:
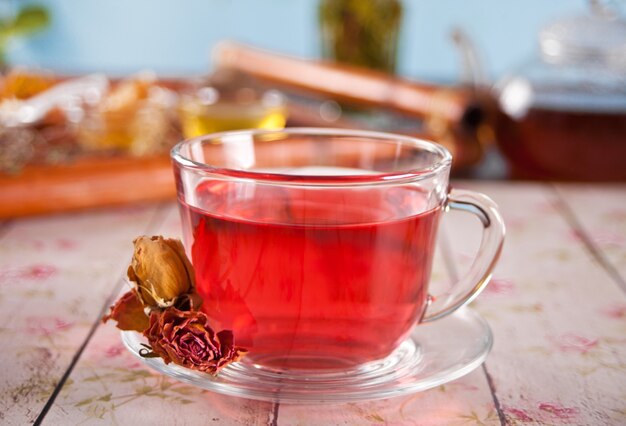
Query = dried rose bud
x=161 y=270
x=185 y=338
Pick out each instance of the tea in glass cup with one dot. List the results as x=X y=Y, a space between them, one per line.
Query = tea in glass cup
x=315 y=246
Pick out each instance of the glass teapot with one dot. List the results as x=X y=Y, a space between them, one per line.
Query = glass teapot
x=563 y=115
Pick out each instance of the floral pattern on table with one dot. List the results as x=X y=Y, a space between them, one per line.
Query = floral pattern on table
x=112 y=386
x=55 y=276
x=601 y=215
x=553 y=310
x=558 y=316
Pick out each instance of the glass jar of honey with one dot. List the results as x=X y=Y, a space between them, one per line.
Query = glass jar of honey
x=229 y=101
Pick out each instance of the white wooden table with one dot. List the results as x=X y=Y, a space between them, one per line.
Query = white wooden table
x=557 y=307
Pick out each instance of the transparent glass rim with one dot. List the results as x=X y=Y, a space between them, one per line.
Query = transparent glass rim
x=410 y=174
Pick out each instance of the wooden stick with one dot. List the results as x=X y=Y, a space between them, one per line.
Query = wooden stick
x=351 y=84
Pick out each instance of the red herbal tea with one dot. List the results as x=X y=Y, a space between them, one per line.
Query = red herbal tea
x=311 y=277
x=315 y=245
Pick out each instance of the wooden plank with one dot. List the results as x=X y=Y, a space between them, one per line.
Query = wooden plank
x=109 y=386
x=462 y=402
x=598 y=215
x=55 y=274
x=89 y=182
x=558 y=318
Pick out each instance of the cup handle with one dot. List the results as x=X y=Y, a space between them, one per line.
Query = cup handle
x=468 y=287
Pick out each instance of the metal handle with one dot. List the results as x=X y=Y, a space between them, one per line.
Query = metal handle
x=468 y=287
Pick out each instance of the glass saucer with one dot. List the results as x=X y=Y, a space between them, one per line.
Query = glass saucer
x=434 y=354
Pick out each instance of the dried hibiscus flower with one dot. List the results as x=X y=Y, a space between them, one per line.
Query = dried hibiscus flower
x=185 y=338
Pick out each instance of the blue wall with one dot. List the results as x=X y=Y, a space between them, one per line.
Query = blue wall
x=175 y=37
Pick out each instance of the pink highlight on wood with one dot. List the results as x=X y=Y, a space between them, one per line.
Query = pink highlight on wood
x=518 y=414
x=560 y=412
x=615 y=311
x=500 y=286
x=114 y=351
x=45 y=326
x=37 y=272
x=59 y=243
x=601 y=238
x=134 y=365
x=66 y=244
x=607 y=239
x=571 y=342
x=574 y=235
x=37 y=244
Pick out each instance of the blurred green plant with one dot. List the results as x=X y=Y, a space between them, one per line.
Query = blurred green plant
x=361 y=32
x=28 y=20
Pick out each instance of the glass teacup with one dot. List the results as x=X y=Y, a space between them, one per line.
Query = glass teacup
x=315 y=246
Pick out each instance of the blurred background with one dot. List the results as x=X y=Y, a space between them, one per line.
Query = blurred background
x=99 y=92
x=174 y=38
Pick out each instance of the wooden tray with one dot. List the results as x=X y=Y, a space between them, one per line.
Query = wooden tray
x=89 y=182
